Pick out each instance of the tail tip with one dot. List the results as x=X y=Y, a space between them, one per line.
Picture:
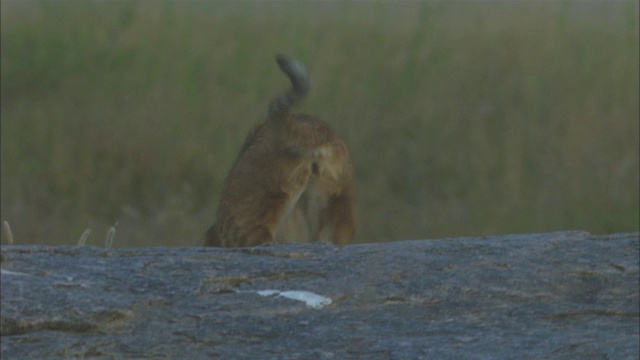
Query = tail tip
x=295 y=70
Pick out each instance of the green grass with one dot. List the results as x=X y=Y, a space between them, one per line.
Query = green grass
x=462 y=118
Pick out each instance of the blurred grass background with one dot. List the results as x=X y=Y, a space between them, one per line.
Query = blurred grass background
x=463 y=118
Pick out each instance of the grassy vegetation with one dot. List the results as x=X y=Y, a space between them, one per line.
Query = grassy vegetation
x=463 y=118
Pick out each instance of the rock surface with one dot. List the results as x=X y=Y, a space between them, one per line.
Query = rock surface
x=567 y=295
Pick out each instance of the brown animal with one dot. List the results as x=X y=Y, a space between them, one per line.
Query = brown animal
x=292 y=180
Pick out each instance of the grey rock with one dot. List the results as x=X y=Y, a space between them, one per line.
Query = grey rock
x=567 y=295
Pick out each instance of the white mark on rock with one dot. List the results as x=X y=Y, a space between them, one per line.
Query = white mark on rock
x=312 y=300
x=7 y=272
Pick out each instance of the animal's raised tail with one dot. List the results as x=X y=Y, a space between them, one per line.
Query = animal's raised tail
x=300 y=87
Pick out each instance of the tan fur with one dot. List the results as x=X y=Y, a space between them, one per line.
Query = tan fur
x=292 y=181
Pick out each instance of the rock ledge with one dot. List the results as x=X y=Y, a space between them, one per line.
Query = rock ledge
x=566 y=295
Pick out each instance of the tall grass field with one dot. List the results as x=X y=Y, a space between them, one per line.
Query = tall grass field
x=463 y=118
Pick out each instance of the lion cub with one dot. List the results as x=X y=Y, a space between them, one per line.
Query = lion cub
x=292 y=180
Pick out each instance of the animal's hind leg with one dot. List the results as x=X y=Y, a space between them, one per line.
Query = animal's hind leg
x=260 y=226
x=339 y=220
